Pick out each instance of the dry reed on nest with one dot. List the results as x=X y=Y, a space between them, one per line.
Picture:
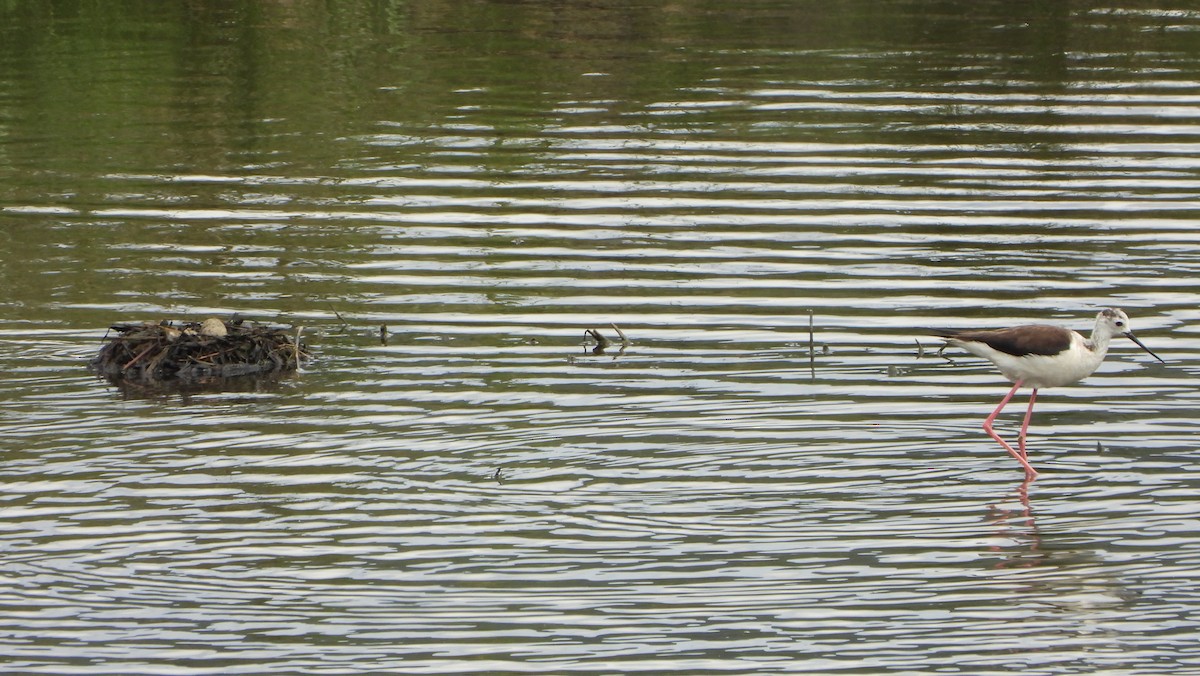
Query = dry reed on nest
x=195 y=351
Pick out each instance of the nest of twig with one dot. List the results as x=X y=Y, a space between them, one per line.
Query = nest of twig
x=197 y=351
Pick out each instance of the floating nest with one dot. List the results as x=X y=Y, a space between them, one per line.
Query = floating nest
x=194 y=352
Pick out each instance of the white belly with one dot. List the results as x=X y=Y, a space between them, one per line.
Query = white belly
x=1038 y=371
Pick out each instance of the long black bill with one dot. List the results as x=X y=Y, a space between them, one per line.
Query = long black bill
x=1139 y=344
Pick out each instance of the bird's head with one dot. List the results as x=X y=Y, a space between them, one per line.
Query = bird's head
x=1115 y=322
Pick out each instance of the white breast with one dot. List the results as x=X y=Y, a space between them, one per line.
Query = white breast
x=1038 y=371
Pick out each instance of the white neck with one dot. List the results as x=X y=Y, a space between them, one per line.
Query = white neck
x=1100 y=339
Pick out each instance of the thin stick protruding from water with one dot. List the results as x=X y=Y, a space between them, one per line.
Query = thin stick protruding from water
x=601 y=341
x=812 y=347
x=296 y=347
x=345 y=325
x=624 y=340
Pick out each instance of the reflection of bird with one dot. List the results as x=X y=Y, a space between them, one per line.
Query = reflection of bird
x=1038 y=355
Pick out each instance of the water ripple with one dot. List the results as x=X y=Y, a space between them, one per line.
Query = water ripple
x=776 y=475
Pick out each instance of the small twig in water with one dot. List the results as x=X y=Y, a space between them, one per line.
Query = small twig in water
x=624 y=340
x=601 y=341
x=812 y=354
x=345 y=324
x=943 y=349
x=296 y=347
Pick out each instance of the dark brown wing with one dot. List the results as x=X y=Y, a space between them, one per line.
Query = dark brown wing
x=1019 y=340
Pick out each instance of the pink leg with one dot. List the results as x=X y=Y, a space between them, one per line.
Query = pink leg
x=1025 y=425
x=1030 y=472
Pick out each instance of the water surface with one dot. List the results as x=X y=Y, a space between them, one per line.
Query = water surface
x=776 y=475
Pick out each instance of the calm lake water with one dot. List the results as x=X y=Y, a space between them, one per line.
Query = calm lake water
x=486 y=180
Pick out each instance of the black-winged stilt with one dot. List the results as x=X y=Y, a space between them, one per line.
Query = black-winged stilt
x=1040 y=355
